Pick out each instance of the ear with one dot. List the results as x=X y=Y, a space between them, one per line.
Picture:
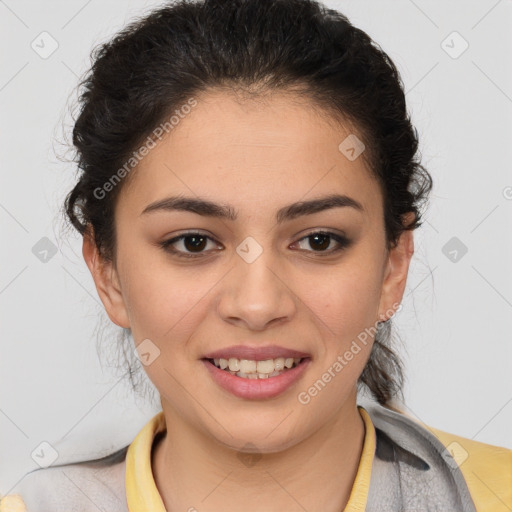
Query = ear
x=395 y=274
x=106 y=280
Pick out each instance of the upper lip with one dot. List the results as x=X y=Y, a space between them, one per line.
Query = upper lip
x=255 y=353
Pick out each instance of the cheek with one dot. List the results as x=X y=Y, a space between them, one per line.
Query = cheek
x=345 y=298
x=163 y=301
x=345 y=309
x=165 y=306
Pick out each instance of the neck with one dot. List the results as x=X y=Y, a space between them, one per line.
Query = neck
x=195 y=472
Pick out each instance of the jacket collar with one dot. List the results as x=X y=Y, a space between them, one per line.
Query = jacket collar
x=410 y=455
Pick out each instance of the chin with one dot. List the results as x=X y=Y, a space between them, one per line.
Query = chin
x=260 y=435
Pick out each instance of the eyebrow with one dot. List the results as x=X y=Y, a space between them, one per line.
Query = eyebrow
x=208 y=208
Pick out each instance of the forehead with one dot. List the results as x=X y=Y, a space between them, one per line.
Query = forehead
x=252 y=152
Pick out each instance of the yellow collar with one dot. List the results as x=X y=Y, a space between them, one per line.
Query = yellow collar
x=142 y=492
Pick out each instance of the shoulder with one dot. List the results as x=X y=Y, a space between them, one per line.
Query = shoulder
x=93 y=485
x=483 y=470
x=487 y=469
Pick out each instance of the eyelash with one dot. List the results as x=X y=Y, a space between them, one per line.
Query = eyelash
x=167 y=244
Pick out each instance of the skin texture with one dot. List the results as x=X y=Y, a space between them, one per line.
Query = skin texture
x=256 y=156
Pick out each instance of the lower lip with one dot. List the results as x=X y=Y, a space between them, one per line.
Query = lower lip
x=257 y=388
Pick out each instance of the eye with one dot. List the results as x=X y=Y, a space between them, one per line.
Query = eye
x=320 y=241
x=191 y=245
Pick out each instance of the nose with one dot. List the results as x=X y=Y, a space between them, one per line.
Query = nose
x=256 y=293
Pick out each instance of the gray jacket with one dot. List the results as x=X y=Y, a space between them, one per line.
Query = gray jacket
x=411 y=471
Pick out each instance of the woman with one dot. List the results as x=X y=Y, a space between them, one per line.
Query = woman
x=248 y=194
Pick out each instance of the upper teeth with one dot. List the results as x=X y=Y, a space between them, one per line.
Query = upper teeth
x=248 y=366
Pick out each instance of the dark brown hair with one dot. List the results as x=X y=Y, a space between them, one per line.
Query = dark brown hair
x=181 y=49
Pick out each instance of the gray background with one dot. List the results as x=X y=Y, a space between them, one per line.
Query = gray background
x=456 y=322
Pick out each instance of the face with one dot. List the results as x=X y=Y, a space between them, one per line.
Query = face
x=269 y=281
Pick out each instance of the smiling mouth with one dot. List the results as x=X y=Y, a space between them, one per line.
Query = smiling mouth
x=251 y=369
